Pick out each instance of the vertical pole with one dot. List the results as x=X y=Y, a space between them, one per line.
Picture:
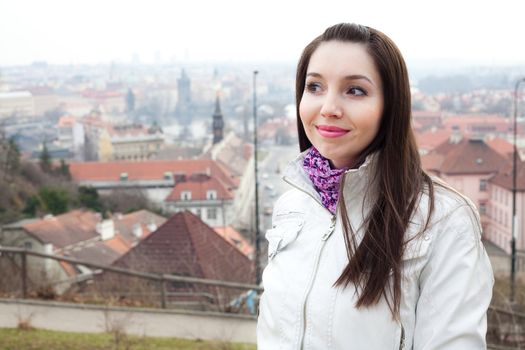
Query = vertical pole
x=257 y=247
x=514 y=177
x=163 y=293
x=24 y=275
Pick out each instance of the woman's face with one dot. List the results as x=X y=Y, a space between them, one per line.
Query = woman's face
x=342 y=101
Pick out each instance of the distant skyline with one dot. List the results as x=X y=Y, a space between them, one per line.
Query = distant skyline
x=463 y=32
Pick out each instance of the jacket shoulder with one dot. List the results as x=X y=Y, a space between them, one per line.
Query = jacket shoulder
x=452 y=210
x=293 y=200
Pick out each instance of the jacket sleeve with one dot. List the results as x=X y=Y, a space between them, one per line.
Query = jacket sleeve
x=455 y=286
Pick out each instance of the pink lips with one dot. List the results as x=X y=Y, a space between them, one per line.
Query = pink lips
x=330 y=131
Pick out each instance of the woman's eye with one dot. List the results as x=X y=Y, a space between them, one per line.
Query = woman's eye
x=313 y=87
x=356 y=91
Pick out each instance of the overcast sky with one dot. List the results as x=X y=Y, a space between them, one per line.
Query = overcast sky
x=101 y=31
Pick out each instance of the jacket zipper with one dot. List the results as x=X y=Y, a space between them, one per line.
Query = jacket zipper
x=317 y=258
x=402 y=340
x=312 y=278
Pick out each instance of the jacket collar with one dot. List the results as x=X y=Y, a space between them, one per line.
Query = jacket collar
x=296 y=176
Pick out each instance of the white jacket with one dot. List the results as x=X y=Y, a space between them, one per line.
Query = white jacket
x=446 y=275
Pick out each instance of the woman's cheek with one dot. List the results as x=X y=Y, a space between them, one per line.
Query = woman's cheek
x=307 y=110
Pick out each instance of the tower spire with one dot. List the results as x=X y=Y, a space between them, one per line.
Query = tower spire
x=218 y=122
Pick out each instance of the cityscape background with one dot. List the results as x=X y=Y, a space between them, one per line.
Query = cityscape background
x=127 y=142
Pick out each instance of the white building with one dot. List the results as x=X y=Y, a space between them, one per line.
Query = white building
x=20 y=104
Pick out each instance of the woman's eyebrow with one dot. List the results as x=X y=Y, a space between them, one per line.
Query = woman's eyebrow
x=348 y=77
x=357 y=77
x=314 y=74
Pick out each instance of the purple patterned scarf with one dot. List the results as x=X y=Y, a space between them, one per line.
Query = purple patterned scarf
x=325 y=179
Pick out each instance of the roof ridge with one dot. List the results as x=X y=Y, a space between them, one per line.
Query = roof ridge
x=186 y=215
x=215 y=233
x=145 y=239
x=204 y=227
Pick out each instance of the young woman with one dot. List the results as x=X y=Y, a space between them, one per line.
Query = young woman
x=367 y=251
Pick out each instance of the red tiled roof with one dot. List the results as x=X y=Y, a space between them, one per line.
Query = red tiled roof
x=470 y=157
x=235 y=178
x=236 y=239
x=199 y=190
x=185 y=245
x=502 y=146
x=68 y=268
x=124 y=223
x=66 y=229
x=426 y=119
x=94 y=120
x=416 y=125
x=426 y=114
x=99 y=252
x=66 y=121
x=432 y=161
x=469 y=123
x=118 y=244
x=148 y=170
x=504 y=178
x=430 y=139
x=107 y=251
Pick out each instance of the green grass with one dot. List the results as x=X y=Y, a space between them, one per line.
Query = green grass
x=37 y=339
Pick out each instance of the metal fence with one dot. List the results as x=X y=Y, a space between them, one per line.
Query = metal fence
x=506 y=326
x=157 y=282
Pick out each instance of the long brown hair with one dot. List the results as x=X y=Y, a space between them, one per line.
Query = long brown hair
x=399 y=177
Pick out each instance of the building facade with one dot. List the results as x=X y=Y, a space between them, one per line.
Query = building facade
x=16 y=104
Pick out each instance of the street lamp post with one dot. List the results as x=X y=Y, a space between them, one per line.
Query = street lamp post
x=514 y=178
x=257 y=244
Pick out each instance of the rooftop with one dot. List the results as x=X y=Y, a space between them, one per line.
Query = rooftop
x=149 y=170
x=185 y=245
x=469 y=156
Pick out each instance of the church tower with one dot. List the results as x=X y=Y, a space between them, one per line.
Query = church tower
x=218 y=122
x=183 y=110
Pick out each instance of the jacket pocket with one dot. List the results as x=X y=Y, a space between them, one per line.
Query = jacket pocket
x=286 y=228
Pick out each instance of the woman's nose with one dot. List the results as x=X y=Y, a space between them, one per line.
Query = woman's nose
x=331 y=107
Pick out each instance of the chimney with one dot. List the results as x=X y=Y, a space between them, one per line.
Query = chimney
x=152 y=227
x=48 y=249
x=106 y=229
x=455 y=136
x=137 y=230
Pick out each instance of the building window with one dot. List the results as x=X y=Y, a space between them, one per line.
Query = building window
x=483 y=185
x=482 y=208
x=211 y=194
x=211 y=213
x=123 y=176
x=28 y=245
x=185 y=195
x=199 y=213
